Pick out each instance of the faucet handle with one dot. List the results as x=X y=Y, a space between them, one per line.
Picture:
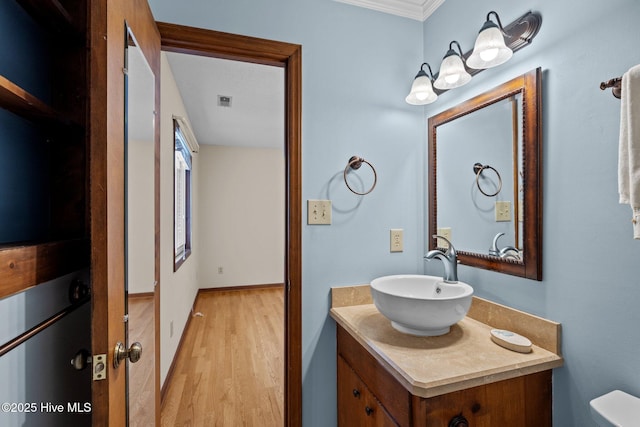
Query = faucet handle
x=450 y=250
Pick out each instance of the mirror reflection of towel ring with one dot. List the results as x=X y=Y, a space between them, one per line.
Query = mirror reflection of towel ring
x=478 y=168
x=354 y=163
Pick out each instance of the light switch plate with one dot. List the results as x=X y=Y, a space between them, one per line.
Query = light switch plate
x=318 y=212
x=503 y=211
x=396 y=240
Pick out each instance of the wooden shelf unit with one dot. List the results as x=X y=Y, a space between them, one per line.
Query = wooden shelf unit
x=66 y=245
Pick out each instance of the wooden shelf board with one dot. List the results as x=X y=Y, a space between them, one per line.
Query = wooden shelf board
x=22 y=103
x=28 y=265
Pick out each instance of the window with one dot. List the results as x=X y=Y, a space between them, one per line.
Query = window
x=182 y=197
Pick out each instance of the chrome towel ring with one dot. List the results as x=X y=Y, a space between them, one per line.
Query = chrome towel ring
x=354 y=163
x=477 y=169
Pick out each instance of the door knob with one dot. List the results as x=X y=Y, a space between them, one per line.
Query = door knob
x=81 y=360
x=120 y=353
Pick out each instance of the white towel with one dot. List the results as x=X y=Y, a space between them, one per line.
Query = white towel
x=629 y=148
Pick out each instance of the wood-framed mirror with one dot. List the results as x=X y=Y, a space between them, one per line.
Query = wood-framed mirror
x=141 y=230
x=485 y=178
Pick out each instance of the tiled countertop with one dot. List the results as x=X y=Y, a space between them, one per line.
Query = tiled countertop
x=465 y=357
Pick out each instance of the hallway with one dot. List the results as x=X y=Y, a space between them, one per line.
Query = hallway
x=229 y=370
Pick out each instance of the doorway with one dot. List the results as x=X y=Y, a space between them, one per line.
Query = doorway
x=194 y=41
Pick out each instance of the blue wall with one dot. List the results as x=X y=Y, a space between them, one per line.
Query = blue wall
x=357 y=69
x=358 y=66
x=590 y=263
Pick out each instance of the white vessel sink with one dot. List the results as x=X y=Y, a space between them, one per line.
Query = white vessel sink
x=421 y=305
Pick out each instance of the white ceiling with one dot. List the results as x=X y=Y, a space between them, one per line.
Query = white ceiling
x=256 y=115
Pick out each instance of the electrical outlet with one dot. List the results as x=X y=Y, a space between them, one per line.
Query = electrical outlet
x=220 y=270
x=318 y=212
x=503 y=211
x=446 y=233
x=170 y=329
x=396 y=240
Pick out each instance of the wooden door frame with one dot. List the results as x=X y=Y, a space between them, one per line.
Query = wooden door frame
x=196 y=41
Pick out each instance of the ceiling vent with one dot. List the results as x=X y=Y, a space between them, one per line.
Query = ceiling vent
x=224 y=101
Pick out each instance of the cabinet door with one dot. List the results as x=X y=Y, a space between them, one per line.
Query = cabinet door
x=395 y=398
x=357 y=406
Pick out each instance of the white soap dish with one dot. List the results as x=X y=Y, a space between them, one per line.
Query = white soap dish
x=511 y=340
x=616 y=409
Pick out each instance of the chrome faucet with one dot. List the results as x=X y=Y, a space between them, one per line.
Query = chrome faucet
x=448 y=258
x=494 y=246
x=509 y=251
x=506 y=252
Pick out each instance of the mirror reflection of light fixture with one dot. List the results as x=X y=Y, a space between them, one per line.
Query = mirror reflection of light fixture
x=422 y=90
x=494 y=46
x=452 y=72
x=490 y=49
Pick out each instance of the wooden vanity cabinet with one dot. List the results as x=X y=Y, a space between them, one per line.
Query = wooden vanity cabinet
x=523 y=401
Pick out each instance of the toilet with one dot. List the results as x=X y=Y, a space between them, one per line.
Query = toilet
x=616 y=409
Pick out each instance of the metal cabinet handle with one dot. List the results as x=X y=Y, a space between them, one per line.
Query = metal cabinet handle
x=120 y=353
x=356 y=392
x=368 y=410
x=459 y=421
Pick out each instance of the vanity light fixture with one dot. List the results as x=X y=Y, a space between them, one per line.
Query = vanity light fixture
x=494 y=45
x=422 y=89
x=452 y=72
x=490 y=49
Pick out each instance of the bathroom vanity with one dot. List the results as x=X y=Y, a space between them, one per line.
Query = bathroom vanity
x=387 y=378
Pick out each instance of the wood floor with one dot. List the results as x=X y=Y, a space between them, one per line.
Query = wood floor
x=141 y=386
x=230 y=369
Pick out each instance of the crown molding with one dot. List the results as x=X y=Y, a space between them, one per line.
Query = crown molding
x=419 y=10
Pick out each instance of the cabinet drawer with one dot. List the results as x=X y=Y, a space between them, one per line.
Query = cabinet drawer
x=357 y=406
x=397 y=400
x=523 y=401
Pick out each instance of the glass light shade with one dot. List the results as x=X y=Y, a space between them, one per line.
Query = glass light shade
x=489 y=50
x=421 y=91
x=452 y=72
